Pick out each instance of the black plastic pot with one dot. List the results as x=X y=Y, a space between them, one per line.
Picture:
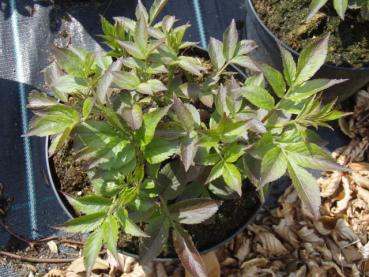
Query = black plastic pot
x=268 y=52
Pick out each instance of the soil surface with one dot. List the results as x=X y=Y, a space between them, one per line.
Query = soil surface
x=349 y=41
x=231 y=215
x=72 y=178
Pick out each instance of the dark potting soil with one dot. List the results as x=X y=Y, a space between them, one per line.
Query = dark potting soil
x=349 y=41
x=71 y=173
x=230 y=217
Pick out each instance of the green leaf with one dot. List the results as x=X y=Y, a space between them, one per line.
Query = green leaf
x=150 y=121
x=245 y=61
x=133 y=116
x=70 y=60
x=230 y=39
x=194 y=211
x=305 y=148
x=129 y=226
x=291 y=106
x=126 y=80
x=220 y=189
x=191 y=65
x=233 y=152
x=56 y=119
x=88 y=104
x=48 y=125
x=340 y=6
x=141 y=11
x=115 y=120
x=246 y=46
x=317 y=162
x=106 y=26
x=156 y=7
x=273 y=166
x=252 y=168
x=102 y=62
x=106 y=149
x=104 y=83
x=58 y=141
x=68 y=84
x=204 y=157
x=39 y=100
x=132 y=49
x=110 y=234
x=312 y=87
x=89 y=204
x=262 y=146
x=215 y=172
x=289 y=65
x=232 y=177
x=89 y=61
x=140 y=35
x=150 y=87
x=258 y=96
x=306 y=187
x=91 y=249
x=255 y=80
x=221 y=101
x=312 y=57
x=158 y=150
x=315 y=6
x=194 y=113
x=232 y=131
x=83 y=224
x=215 y=49
x=105 y=188
x=275 y=79
x=187 y=253
x=333 y=115
x=183 y=114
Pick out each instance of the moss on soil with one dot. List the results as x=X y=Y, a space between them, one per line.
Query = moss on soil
x=349 y=41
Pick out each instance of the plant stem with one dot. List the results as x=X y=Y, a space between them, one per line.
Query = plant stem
x=222 y=69
x=35 y=259
x=165 y=210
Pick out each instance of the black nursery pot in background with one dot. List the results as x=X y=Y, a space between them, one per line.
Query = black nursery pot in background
x=268 y=52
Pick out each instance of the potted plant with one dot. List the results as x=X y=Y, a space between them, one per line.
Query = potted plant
x=169 y=134
x=293 y=23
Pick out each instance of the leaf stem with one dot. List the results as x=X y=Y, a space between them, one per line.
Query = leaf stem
x=222 y=69
x=164 y=208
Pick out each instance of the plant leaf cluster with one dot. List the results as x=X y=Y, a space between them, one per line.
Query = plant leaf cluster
x=341 y=7
x=167 y=134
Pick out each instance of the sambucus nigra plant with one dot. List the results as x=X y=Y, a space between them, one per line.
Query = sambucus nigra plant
x=161 y=131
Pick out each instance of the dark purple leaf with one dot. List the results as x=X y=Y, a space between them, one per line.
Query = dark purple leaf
x=188 y=151
x=194 y=211
x=188 y=254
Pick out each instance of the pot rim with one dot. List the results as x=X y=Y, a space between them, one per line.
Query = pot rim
x=280 y=42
